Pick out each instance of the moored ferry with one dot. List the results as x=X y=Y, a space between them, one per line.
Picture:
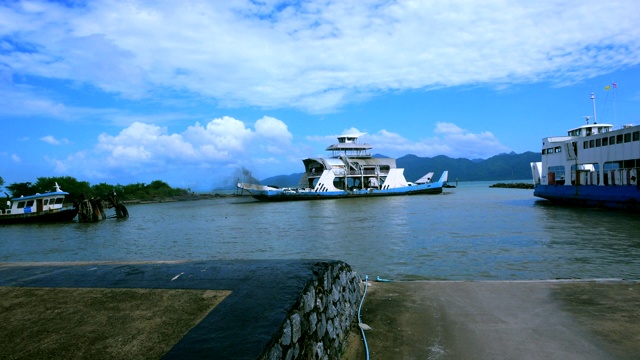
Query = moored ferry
x=351 y=171
x=45 y=207
x=594 y=165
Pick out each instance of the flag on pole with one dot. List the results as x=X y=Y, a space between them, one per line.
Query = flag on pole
x=615 y=85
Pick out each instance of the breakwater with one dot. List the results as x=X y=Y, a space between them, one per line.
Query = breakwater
x=318 y=325
x=518 y=185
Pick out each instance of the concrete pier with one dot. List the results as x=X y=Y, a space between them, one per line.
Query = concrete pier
x=500 y=320
x=303 y=309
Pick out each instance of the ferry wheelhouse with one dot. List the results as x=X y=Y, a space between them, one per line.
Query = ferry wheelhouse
x=350 y=171
x=594 y=165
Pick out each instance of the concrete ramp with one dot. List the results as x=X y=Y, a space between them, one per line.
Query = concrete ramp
x=501 y=320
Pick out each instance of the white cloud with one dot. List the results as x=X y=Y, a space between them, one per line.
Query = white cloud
x=449 y=139
x=14 y=157
x=204 y=152
x=273 y=129
x=313 y=55
x=49 y=139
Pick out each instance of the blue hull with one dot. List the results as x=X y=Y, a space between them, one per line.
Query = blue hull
x=64 y=215
x=282 y=195
x=616 y=197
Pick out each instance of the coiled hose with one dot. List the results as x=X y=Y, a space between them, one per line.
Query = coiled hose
x=364 y=338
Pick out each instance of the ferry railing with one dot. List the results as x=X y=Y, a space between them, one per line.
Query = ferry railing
x=627 y=176
x=621 y=176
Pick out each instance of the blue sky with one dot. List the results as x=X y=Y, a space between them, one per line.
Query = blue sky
x=190 y=92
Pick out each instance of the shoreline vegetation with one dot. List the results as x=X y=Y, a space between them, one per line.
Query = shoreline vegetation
x=138 y=193
x=518 y=185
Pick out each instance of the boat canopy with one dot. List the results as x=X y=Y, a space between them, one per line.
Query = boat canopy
x=38 y=196
x=590 y=129
x=348 y=145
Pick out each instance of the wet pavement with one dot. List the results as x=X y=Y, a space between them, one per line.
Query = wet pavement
x=500 y=320
x=202 y=309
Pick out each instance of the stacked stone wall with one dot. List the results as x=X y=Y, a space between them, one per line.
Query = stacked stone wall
x=318 y=325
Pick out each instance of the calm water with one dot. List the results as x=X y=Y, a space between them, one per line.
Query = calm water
x=473 y=232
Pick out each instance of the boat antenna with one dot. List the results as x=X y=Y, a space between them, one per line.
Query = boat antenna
x=615 y=92
x=587 y=118
x=593 y=100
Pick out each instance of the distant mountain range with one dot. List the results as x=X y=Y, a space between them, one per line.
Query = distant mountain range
x=510 y=166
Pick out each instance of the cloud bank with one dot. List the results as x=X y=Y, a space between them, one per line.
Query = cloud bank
x=212 y=153
x=312 y=55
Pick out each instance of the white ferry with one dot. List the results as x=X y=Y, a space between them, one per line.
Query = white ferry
x=47 y=207
x=594 y=165
x=351 y=171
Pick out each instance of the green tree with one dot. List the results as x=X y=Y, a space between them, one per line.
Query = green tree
x=134 y=191
x=157 y=189
x=69 y=184
x=21 y=189
x=102 y=190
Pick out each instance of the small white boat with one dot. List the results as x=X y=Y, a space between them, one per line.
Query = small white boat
x=47 y=207
x=351 y=171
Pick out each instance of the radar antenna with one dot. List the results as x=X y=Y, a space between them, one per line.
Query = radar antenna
x=593 y=99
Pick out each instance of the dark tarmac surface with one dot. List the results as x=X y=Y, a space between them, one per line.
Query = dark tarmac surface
x=500 y=320
x=185 y=310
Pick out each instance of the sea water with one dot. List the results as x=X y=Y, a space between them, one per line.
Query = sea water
x=472 y=232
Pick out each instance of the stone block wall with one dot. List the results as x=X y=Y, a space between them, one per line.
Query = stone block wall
x=318 y=325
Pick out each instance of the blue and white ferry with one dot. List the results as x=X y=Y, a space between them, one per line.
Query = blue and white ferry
x=350 y=172
x=595 y=165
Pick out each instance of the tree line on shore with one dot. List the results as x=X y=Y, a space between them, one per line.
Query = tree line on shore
x=155 y=190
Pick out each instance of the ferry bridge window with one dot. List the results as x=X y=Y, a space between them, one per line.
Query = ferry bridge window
x=598 y=142
x=619 y=139
x=585 y=145
x=611 y=165
x=557 y=149
x=605 y=141
x=21 y=204
x=612 y=140
x=627 y=137
x=59 y=200
x=636 y=135
x=45 y=202
x=30 y=203
x=591 y=143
